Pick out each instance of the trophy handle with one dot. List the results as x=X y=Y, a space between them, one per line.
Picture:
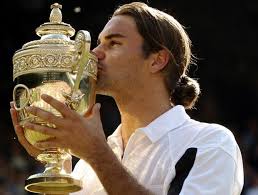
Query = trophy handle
x=82 y=42
x=87 y=65
x=26 y=97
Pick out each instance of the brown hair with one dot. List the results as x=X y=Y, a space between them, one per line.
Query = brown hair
x=162 y=31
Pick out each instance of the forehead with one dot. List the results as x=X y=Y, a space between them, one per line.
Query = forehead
x=124 y=25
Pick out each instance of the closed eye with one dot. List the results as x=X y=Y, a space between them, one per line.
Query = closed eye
x=113 y=43
x=110 y=41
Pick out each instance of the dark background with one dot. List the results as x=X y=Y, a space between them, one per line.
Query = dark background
x=224 y=37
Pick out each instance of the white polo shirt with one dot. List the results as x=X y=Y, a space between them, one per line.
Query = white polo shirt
x=175 y=155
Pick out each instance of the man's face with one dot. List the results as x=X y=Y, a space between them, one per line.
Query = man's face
x=121 y=62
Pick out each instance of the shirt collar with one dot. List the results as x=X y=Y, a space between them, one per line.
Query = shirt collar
x=166 y=122
x=116 y=137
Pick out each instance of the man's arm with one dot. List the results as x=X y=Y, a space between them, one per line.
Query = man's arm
x=113 y=176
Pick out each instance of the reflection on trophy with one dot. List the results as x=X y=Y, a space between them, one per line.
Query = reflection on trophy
x=64 y=69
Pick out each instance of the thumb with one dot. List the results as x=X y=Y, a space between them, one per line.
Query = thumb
x=95 y=109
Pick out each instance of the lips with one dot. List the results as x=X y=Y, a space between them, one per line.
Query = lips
x=100 y=67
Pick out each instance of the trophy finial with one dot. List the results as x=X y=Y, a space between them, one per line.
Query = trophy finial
x=56 y=5
x=55 y=24
x=56 y=14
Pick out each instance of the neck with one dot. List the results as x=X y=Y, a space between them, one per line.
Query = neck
x=139 y=110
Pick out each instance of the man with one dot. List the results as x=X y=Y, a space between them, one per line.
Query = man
x=143 y=58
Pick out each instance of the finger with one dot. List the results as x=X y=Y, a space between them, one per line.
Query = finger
x=45 y=115
x=59 y=106
x=23 y=141
x=96 y=109
x=12 y=104
x=20 y=135
x=51 y=143
x=42 y=129
x=14 y=116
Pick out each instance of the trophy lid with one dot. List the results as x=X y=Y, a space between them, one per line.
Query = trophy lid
x=55 y=26
x=54 y=51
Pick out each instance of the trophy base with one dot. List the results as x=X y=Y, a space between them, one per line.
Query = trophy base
x=61 y=184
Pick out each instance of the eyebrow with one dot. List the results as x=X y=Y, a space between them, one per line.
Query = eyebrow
x=110 y=36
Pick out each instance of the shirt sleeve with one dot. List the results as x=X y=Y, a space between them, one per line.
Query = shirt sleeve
x=214 y=171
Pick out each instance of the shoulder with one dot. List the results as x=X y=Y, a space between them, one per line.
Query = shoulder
x=208 y=134
x=203 y=136
x=201 y=150
x=215 y=135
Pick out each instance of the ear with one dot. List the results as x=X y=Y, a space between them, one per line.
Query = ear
x=160 y=60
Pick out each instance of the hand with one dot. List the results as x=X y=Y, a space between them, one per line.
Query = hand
x=33 y=151
x=83 y=136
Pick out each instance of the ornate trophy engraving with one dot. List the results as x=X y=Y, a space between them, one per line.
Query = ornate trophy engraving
x=66 y=70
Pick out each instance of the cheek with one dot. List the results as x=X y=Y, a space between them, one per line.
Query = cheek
x=124 y=63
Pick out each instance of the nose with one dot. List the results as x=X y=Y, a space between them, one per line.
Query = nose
x=99 y=53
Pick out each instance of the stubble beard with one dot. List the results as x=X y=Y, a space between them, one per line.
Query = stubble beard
x=102 y=87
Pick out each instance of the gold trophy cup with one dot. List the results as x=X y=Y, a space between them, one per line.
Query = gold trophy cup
x=64 y=69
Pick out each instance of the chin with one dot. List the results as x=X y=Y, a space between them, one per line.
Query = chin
x=101 y=90
x=104 y=90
